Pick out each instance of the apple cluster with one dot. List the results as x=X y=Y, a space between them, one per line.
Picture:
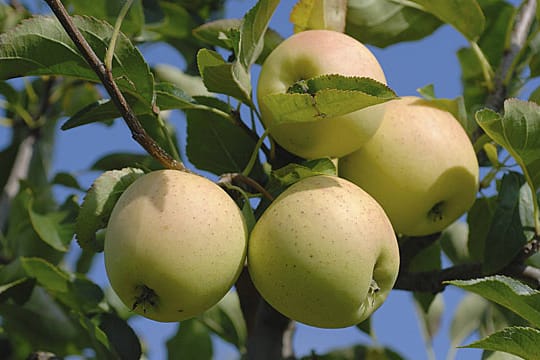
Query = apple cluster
x=325 y=252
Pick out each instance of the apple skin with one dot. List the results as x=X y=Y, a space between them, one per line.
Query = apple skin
x=181 y=236
x=420 y=166
x=314 y=252
x=306 y=55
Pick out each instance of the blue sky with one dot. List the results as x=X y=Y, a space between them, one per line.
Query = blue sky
x=407 y=66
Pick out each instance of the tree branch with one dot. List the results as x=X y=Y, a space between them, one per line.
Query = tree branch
x=518 y=38
x=433 y=281
x=105 y=75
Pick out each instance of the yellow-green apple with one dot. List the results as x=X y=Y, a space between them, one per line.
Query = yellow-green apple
x=420 y=166
x=324 y=253
x=175 y=244
x=306 y=55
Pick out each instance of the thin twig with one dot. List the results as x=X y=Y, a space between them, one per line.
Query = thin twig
x=238 y=178
x=518 y=38
x=105 y=75
x=25 y=153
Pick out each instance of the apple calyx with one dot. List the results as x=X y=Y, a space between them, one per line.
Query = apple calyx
x=435 y=214
x=147 y=296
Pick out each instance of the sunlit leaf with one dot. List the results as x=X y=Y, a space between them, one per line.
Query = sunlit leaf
x=325 y=97
x=507 y=292
x=319 y=14
x=520 y=341
x=40 y=46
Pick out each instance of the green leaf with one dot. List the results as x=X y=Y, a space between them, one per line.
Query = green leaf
x=520 y=341
x=386 y=22
x=292 y=173
x=19 y=290
x=507 y=292
x=467 y=318
x=453 y=242
x=222 y=77
x=121 y=336
x=117 y=161
x=357 y=352
x=518 y=131
x=226 y=320
x=108 y=10
x=56 y=228
x=499 y=17
x=67 y=180
x=189 y=84
x=192 y=341
x=40 y=46
x=252 y=31
x=319 y=14
x=217 y=33
x=46 y=274
x=464 y=15
x=506 y=234
x=216 y=144
x=168 y=97
x=479 y=219
x=98 y=205
x=326 y=96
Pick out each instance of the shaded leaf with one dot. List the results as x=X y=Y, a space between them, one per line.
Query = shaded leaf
x=117 y=161
x=385 y=22
x=507 y=292
x=56 y=228
x=121 y=336
x=108 y=10
x=357 y=352
x=67 y=180
x=293 y=173
x=454 y=242
x=479 y=219
x=467 y=318
x=464 y=15
x=98 y=205
x=192 y=341
x=326 y=96
x=520 y=341
x=506 y=234
x=217 y=145
x=226 y=320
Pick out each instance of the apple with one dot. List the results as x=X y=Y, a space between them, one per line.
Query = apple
x=324 y=253
x=306 y=55
x=175 y=244
x=420 y=166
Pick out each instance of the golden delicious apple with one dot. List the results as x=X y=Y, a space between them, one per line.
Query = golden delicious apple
x=324 y=253
x=420 y=166
x=306 y=55
x=174 y=245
